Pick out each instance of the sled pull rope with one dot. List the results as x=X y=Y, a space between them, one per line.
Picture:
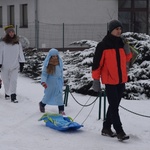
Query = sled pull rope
x=84 y=106
x=89 y=113
x=81 y=108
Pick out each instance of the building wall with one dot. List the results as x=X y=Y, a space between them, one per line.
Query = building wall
x=149 y=18
x=70 y=12
x=77 y=11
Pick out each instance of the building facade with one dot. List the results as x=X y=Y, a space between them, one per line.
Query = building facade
x=58 y=23
x=45 y=22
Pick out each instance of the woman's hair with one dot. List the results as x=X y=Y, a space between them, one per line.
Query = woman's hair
x=11 y=40
x=53 y=61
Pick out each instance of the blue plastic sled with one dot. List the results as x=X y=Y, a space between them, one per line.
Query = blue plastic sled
x=59 y=122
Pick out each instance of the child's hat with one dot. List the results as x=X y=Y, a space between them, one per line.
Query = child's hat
x=114 y=24
x=9 y=28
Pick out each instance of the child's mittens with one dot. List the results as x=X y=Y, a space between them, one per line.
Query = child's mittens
x=44 y=85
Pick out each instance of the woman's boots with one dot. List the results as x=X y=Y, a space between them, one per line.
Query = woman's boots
x=13 y=98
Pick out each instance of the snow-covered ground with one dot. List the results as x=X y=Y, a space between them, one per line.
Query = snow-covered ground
x=21 y=130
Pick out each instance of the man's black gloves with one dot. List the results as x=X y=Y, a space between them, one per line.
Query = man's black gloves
x=21 y=66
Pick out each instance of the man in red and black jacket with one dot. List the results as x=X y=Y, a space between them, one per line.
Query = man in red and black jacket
x=109 y=66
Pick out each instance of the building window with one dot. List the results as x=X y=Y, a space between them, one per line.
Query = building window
x=11 y=15
x=140 y=4
x=134 y=15
x=1 y=18
x=124 y=4
x=24 y=15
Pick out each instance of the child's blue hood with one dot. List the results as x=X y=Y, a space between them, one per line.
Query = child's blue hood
x=52 y=52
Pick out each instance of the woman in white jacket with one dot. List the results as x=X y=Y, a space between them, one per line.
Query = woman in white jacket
x=11 y=60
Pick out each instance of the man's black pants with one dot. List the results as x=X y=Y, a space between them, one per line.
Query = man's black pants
x=114 y=94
